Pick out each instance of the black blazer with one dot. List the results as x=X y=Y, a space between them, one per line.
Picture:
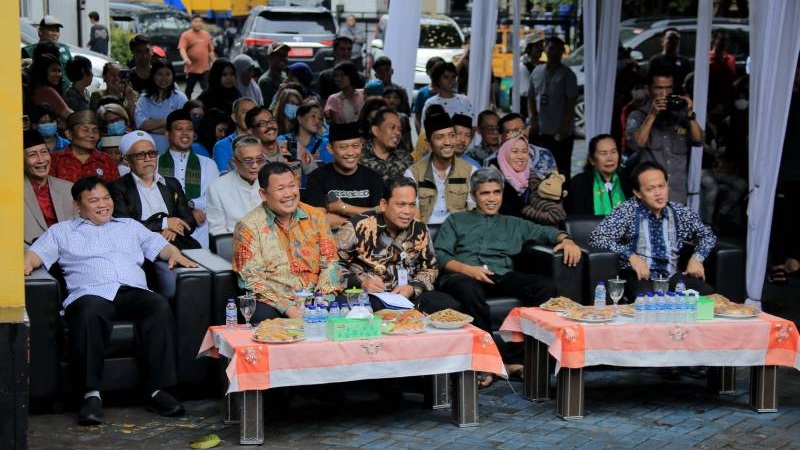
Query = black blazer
x=127 y=203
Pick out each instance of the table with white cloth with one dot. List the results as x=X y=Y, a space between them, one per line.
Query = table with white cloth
x=556 y=343
x=450 y=358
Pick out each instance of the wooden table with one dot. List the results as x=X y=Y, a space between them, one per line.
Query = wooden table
x=450 y=357
x=553 y=342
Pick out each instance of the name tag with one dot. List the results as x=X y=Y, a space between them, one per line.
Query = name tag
x=402 y=277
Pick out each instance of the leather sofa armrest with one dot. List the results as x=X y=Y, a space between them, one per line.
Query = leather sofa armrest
x=725 y=270
x=189 y=293
x=541 y=259
x=225 y=281
x=43 y=304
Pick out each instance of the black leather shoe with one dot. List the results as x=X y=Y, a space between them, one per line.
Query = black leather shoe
x=166 y=405
x=91 y=411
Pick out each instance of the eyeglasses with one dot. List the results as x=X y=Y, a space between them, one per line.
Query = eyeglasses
x=141 y=156
x=260 y=161
x=264 y=123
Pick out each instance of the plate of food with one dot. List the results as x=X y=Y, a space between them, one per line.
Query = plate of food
x=559 y=304
x=277 y=335
x=590 y=315
x=409 y=321
x=449 y=319
x=627 y=310
x=283 y=322
x=399 y=328
x=736 y=311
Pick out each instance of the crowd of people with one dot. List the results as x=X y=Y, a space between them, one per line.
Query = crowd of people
x=320 y=183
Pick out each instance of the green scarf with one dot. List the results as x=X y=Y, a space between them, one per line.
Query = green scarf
x=604 y=201
x=166 y=167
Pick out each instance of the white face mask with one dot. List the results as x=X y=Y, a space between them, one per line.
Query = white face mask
x=741 y=104
x=638 y=94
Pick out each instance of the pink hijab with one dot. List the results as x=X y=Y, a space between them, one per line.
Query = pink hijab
x=519 y=180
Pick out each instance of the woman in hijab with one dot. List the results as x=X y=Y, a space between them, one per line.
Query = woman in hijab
x=221 y=92
x=513 y=160
x=300 y=72
x=599 y=188
x=245 y=78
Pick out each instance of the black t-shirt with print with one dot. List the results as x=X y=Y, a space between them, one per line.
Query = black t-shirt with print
x=364 y=188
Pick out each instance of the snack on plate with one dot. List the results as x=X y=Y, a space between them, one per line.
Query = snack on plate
x=449 y=315
x=559 y=304
x=282 y=322
x=398 y=315
x=277 y=334
x=720 y=299
x=737 y=310
x=590 y=313
x=627 y=310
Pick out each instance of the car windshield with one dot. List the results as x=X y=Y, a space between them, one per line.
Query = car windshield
x=291 y=23
x=441 y=35
x=164 y=23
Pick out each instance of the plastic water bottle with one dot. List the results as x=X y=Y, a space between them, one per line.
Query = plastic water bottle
x=231 y=320
x=639 y=309
x=319 y=299
x=680 y=286
x=663 y=310
x=692 y=303
x=344 y=309
x=600 y=296
x=310 y=321
x=322 y=320
x=672 y=308
x=651 y=308
x=334 y=310
x=683 y=308
x=363 y=300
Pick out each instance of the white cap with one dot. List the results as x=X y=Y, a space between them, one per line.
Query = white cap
x=133 y=137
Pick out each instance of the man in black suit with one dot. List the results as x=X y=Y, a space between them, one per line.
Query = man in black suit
x=157 y=202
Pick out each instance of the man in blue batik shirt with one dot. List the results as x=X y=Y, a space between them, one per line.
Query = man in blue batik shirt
x=648 y=232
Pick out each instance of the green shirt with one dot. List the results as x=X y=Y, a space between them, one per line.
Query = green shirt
x=472 y=238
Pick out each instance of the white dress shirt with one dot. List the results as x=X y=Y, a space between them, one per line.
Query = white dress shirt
x=229 y=198
x=152 y=200
x=208 y=173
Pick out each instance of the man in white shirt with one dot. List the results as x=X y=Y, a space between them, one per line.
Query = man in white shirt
x=234 y=194
x=194 y=172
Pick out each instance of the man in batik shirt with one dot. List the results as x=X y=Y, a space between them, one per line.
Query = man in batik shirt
x=392 y=252
x=283 y=246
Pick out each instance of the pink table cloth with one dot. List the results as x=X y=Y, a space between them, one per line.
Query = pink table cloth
x=256 y=366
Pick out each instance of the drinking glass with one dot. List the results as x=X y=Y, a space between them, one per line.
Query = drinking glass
x=661 y=284
x=247 y=304
x=616 y=288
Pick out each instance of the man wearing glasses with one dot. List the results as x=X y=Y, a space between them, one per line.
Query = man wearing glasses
x=542 y=160
x=144 y=195
x=194 y=172
x=490 y=136
x=262 y=124
x=234 y=194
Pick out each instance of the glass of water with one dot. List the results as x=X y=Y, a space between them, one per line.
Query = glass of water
x=661 y=284
x=247 y=305
x=616 y=288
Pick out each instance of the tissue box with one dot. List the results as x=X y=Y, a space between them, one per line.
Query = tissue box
x=705 y=308
x=344 y=329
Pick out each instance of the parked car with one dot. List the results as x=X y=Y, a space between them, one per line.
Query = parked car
x=438 y=36
x=306 y=30
x=161 y=23
x=646 y=43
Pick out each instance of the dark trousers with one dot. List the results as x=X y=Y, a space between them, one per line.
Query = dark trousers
x=634 y=287
x=194 y=78
x=90 y=321
x=263 y=312
x=531 y=289
x=562 y=150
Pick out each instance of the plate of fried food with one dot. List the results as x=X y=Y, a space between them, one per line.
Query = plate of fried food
x=736 y=311
x=627 y=310
x=590 y=315
x=283 y=322
x=559 y=304
x=408 y=321
x=271 y=333
x=449 y=319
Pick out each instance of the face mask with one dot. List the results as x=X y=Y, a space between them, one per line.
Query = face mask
x=638 y=94
x=741 y=104
x=116 y=128
x=47 y=129
x=290 y=111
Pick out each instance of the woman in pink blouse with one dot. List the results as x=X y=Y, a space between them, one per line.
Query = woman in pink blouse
x=344 y=106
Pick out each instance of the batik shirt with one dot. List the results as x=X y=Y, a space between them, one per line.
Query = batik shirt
x=632 y=228
x=366 y=248
x=276 y=260
x=397 y=163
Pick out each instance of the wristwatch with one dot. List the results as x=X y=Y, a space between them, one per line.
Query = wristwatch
x=700 y=258
x=692 y=115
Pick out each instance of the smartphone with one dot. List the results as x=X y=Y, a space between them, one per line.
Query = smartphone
x=291 y=147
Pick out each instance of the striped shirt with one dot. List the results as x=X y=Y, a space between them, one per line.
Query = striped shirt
x=99 y=259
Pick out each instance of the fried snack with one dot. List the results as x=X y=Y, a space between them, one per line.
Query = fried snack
x=559 y=304
x=282 y=322
x=720 y=299
x=448 y=315
x=408 y=326
x=390 y=315
x=737 y=310
x=276 y=334
x=627 y=310
x=589 y=313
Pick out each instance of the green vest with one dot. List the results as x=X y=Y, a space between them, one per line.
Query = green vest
x=456 y=186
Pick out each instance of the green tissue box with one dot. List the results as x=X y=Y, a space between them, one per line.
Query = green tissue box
x=705 y=308
x=344 y=329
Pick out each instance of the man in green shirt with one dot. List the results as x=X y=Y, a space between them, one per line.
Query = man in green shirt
x=474 y=250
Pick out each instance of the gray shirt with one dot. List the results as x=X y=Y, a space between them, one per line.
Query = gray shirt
x=552 y=88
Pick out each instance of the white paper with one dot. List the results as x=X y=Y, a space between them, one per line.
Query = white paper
x=394 y=300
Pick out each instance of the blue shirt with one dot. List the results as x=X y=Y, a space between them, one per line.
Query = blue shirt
x=223 y=150
x=147 y=108
x=61 y=143
x=200 y=149
x=317 y=146
x=99 y=259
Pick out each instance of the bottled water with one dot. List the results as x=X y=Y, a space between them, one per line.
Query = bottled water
x=334 y=310
x=671 y=308
x=322 y=320
x=661 y=308
x=600 y=296
x=344 y=309
x=683 y=308
x=319 y=300
x=692 y=305
x=639 y=309
x=310 y=321
x=363 y=301
x=231 y=320
x=680 y=286
x=650 y=308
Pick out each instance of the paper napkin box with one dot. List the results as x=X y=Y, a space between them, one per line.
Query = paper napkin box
x=705 y=308
x=344 y=329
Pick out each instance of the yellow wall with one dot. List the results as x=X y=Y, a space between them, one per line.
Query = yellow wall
x=11 y=279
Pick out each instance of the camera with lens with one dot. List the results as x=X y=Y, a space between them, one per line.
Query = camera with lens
x=676 y=103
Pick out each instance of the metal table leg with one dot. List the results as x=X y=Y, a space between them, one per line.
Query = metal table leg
x=437 y=391
x=232 y=408
x=764 y=388
x=251 y=427
x=536 y=383
x=465 y=398
x=722 y=380
x=570 y=394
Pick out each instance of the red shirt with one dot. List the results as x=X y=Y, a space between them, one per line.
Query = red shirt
x=721 y=76
x=42 y=192
x=66 y=166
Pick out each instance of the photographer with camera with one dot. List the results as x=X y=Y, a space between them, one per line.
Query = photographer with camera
x=664 y=130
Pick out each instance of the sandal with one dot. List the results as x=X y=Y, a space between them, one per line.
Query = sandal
x=485 y=380
x=516 y=372
x=777 y=276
